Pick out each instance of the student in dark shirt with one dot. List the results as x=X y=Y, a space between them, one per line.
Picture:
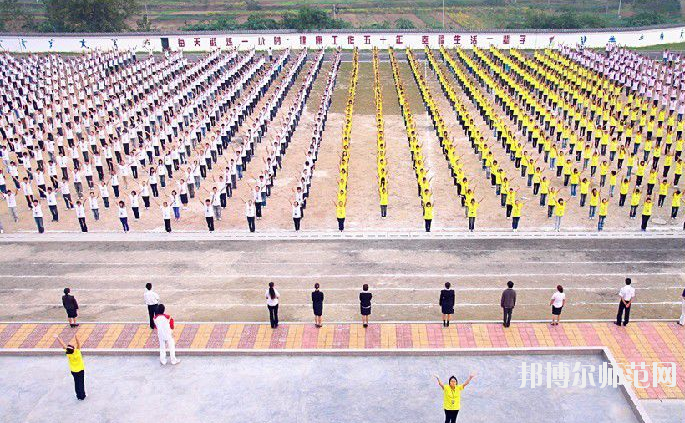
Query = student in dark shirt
x=447 y=304
x=71 y=306
x=317 y=304
x=365 y=304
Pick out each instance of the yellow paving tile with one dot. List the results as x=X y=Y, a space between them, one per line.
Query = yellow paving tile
x=143 y=333
x=389 y=336
x=543 y=336
x=294 y=339
x=263 y=339
x=84 y=331
x=513 y=338
x=357 y=338
x=20 y=335
x=325 y=338
x=49 y=338
x=233 y=335
x=451 y=337
x=419 y=335
x=202 y=336
x=111 y=336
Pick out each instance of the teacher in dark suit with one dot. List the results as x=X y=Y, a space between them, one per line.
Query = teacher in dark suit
x=71 y=306
x=317 y=305
x=365 y=304
x=447 y=304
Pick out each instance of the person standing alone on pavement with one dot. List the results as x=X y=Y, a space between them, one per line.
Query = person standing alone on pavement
x=317 y=305
x=165 y=327
x=446 y=303
x=272 y=297
x=508 y=302
x=627 y=294
x=71 y=306
x=365 y=304
x=151 y=301
x=75 y=365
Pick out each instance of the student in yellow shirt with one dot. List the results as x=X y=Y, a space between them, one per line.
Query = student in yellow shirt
x=451 y=399
x=516 y=215
x=646 y=212
x=340 y=212
x=663 y=192
x=559 y=212
x=603 y=212
x=473 y=213
x=75 y=365
x=675 y=203
x=428 y=215
x=383 y=194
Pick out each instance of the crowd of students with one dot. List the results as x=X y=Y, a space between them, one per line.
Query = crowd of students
x=536 y=123
x=302 y=190
x=344 y=164
x=419 y=165
x=112 y=133
x=381 y=159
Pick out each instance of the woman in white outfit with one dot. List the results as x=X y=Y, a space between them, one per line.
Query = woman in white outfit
x=165 y=327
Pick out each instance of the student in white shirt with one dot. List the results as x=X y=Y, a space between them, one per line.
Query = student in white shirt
x=166 y=215
x=272 y=296
x=297 y=215
x=209 y=214
x=37 y=212
x=151 y=301
x=94 y=206
x=81 y=215
x=165 y=326
x=557 y=302
x=52 y=204
x=627 y=294
x=123 y=216
x=11 y=198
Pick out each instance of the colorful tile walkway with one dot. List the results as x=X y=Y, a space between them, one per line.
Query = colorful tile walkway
x=647 y=342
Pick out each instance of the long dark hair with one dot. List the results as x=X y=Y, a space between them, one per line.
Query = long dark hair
x=272 y=291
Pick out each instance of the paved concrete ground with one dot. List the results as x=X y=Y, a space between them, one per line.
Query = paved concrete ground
x=226 y=280
x=669 y=411
x=296 y=389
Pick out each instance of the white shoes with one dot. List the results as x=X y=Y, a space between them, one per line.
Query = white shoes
x=175 y=361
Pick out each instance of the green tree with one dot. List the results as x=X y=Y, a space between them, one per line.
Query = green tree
x=89 y=15
x=404 y=23
x=10 y=14
x=308 y=18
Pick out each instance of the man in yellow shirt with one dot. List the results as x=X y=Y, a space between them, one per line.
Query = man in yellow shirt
x=75 y=365
x=451 y=396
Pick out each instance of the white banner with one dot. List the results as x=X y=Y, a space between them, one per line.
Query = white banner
x=346 y=40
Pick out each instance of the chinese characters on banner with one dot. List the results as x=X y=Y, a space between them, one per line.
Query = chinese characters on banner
x=360 y=40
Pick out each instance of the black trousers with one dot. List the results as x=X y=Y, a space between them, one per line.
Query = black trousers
x=451 y=416
x=507 y=316
x=623 y=313
x=151 y=309
x=167 y=225
x=273 y=315
x=79 y=384
x=210 y=223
